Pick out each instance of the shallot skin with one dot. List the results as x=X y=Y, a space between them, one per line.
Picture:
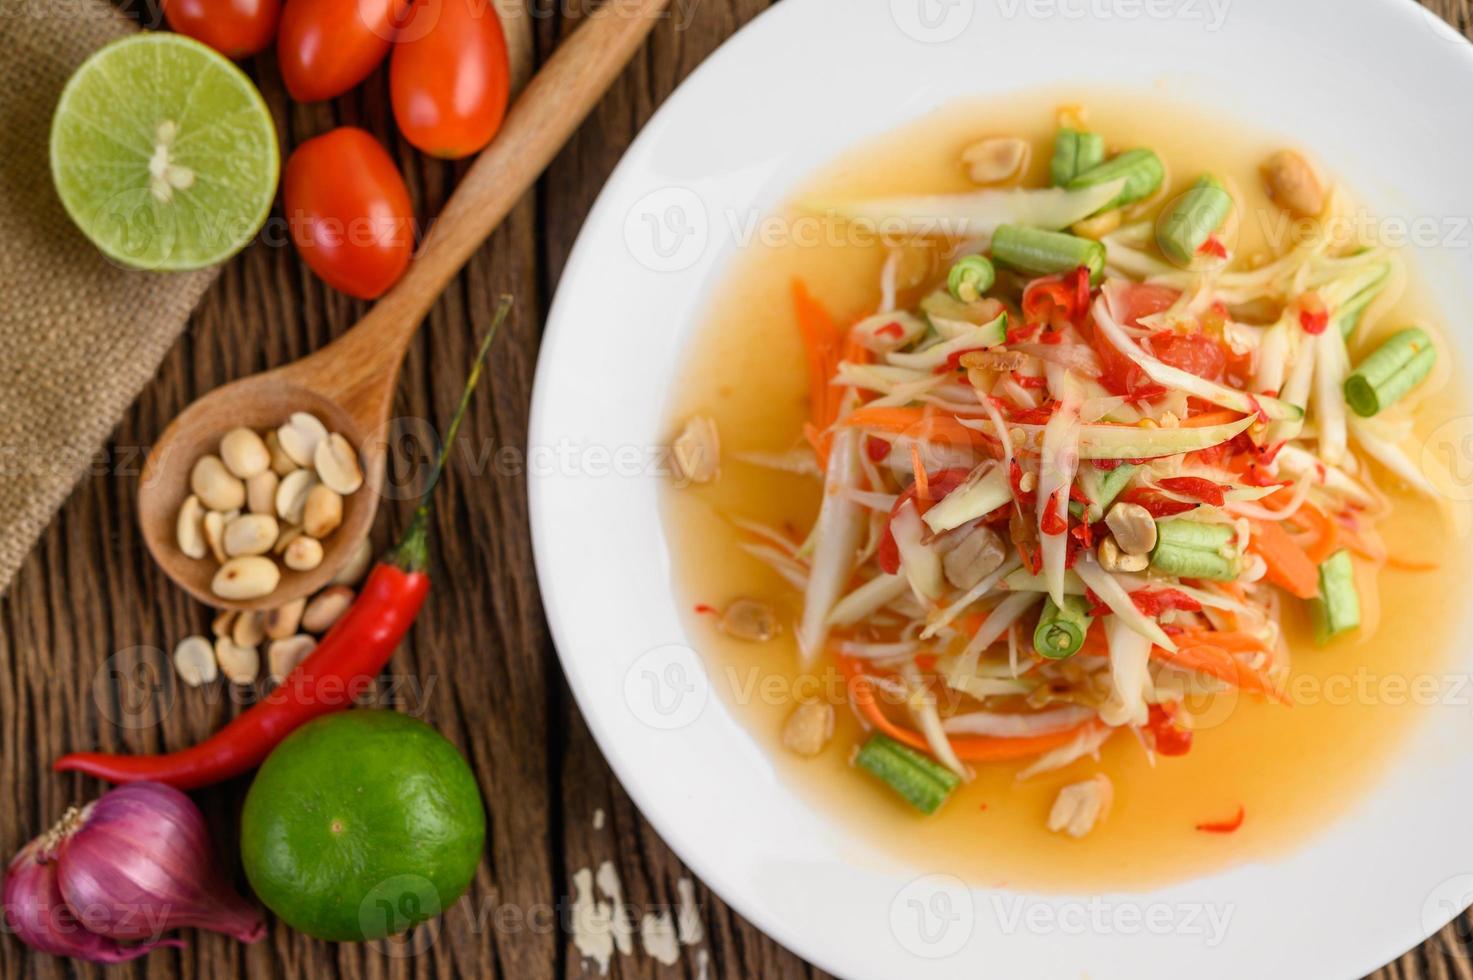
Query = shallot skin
x=35 y=912
x=140 y=862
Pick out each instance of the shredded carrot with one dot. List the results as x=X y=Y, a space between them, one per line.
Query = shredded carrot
x=1217 y=662
x=1410 y=565
x=971 y=749
x=1224 y=826
x=923 y=483
x=821 y=342
x=918 y=423
x=1211 y=418
x=1231 y=641
x=1321 y=537
x=1288 y=565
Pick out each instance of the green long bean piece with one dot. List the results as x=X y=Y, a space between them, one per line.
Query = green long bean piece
x=1103 y=486
x=1192 y=549
x=1061 y=629
x=1336 y=609
x=969 y=278
x=1348 y=317
x=1074 y=153
x=1395 y=368
x=1141 y=169
x=1192 y=219
x=1041 y=253
x=925 y=784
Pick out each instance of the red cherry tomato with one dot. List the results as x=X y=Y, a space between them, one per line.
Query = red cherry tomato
x=1193 y=353
x=235 y=28
x=450 y=76
x=349 y=211
x=1121 y=375
x=326 y=47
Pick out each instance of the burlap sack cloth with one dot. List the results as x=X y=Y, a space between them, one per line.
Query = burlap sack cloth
x=79 y=336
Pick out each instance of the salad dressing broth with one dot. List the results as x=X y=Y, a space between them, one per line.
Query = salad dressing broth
x=1292 y=770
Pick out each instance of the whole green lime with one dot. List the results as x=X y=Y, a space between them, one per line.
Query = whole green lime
x=360 y=825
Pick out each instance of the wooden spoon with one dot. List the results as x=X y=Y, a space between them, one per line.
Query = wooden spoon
x=350 y=383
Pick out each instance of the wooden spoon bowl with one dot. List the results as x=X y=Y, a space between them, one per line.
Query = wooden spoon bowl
x=260 y=402
x=349 y=384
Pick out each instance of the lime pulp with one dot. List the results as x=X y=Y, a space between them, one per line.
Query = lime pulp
x=163 y=153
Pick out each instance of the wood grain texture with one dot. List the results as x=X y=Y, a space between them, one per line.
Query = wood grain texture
x=84 y=627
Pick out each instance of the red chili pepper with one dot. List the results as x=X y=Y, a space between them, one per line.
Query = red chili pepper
x=1079 y=279
x=706 y=610
x=1154 y=602
x=877 y=449
x=1224 y=826
x=1022 y=333
x=1051 y=522
x=339 y=672
x=954 y=361
x=1097 y=606
x=1035 y=416
x=1030 y=380
x=891 y=330
x=1155 y=503
x=938 y=484
x=1169 y=737
x=1214 y=247
x=1194 y=486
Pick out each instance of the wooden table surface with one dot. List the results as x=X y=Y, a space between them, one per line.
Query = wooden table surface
x=83 y=627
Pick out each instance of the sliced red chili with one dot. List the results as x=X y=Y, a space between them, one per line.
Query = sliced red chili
x=1030 y=380
x=1052 y=523
x=938 y=485
x=1213 y=246
x=1156 y=503
x=1195 y=487
x=1168 y=737
x=1224 y=826
x=1154 y=602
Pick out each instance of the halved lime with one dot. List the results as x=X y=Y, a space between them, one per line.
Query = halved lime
x=163 y=153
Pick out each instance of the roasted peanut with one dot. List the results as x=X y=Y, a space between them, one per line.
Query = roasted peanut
x=239 y=664
x=299 y=437
x=809 y=728
x=749 y=619
x=337 y=465
x=247 y=577
x=323 y=511
x=250 y=534
x=215 y=486
x=697 y=451
x=1292 y=184
x=992 y=161
x=244 y=453
x=291 y=495
x=283 y=621
x=1133 y=528
x=326 y=608
x=189 y=528
x=303 y=554
x=282 y=656
x=261 y=492
x=194 y=659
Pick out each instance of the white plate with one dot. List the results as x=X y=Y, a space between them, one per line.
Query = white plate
x=1376 y=86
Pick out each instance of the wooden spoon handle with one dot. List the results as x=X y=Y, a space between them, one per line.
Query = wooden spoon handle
x=554 y=104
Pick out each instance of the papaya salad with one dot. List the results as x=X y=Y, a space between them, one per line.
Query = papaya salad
x=1073 y=480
